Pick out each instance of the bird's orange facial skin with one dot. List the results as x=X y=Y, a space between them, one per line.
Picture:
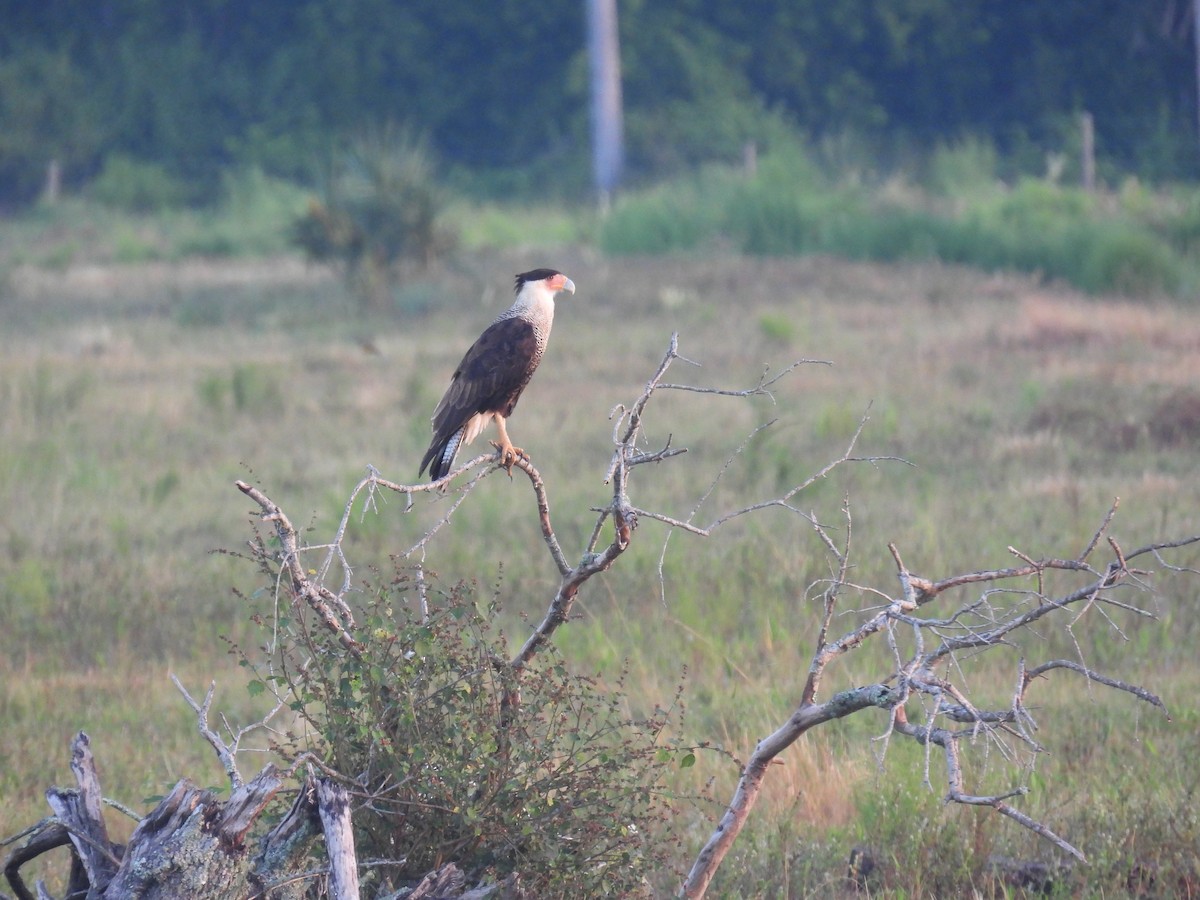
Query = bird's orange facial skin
x=560 y=282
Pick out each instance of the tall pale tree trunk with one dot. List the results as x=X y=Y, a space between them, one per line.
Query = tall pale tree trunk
x=604 y=57
x=1196 y=39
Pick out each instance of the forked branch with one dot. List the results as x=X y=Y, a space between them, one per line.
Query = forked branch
x=946 y=714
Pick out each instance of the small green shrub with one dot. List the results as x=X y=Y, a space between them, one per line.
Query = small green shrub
x=255 y=389
x=889 y=233
x=771 y=222
x=963 y=168
x=382 y=207
x=134 y=186
x=27 y=590
x=1181 y=226
x=212 y=391
x=1129 y=260
x=59 y=257
x=209 y=241
x=666 y=220
x=131 y=247
x=252 y=218
x=785 y=209
x=549 y=777
x=777 y=327
x=485 y=225
x=651 y=225
x=249 y=388
x=1042 y=206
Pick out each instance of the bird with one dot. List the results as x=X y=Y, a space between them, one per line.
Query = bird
x=494 y=371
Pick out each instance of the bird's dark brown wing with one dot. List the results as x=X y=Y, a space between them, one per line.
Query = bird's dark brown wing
x=490 y=377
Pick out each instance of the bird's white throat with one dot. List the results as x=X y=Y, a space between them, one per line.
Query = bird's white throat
x=534 y=302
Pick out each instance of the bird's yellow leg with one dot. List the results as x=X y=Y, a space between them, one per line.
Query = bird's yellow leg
x=504 y=447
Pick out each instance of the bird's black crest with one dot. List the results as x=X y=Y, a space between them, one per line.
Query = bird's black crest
x=533 y=275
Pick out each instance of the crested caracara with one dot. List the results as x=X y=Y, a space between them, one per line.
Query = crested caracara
x=488 y=382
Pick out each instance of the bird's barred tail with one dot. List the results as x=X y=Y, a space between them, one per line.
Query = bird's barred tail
x=440 y=457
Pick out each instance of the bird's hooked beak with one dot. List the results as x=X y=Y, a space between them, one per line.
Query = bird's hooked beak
x=561 y=282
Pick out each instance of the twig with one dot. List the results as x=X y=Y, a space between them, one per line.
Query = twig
x=319 y=598
x=761 y=389
x=1112 y=511
x=1092 y=675
x=226 y=753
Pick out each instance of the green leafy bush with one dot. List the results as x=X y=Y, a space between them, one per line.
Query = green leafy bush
x=134 y=186
x=382 y=206
x=460 y=759
x=679 y=216
x=962 y=168
x=1129 y=260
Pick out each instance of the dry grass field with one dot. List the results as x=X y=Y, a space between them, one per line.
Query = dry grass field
x=132 y=397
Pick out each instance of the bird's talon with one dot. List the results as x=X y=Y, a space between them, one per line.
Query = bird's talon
x=508 y=455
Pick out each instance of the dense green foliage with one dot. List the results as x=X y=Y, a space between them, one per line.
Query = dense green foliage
x=1125 y=242
x=548 y=777
x=196 y=86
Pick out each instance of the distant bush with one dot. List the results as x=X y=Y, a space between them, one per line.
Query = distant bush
x=249 y=389
x=962 y=168
x=251 y=218
x=1175 y=218
x=1061 y=233
x=777 y=327
x=765 y=221
x=1130 y=260
x=134 y=186
x=382 y=207
x=678 y=216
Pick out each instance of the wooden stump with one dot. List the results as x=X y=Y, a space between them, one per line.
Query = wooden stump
x=191 y=845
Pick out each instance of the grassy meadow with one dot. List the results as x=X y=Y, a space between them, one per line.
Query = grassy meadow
x=136 y=386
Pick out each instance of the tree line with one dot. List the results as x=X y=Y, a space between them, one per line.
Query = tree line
x=200 y=85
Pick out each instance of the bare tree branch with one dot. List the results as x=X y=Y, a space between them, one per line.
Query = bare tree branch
x=762 y=389
x=1115 y=683
x=750 y=784
x=981 y=625
x=329 y=606
x=226 y=753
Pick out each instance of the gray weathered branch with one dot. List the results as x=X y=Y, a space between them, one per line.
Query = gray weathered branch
x=981 y=625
